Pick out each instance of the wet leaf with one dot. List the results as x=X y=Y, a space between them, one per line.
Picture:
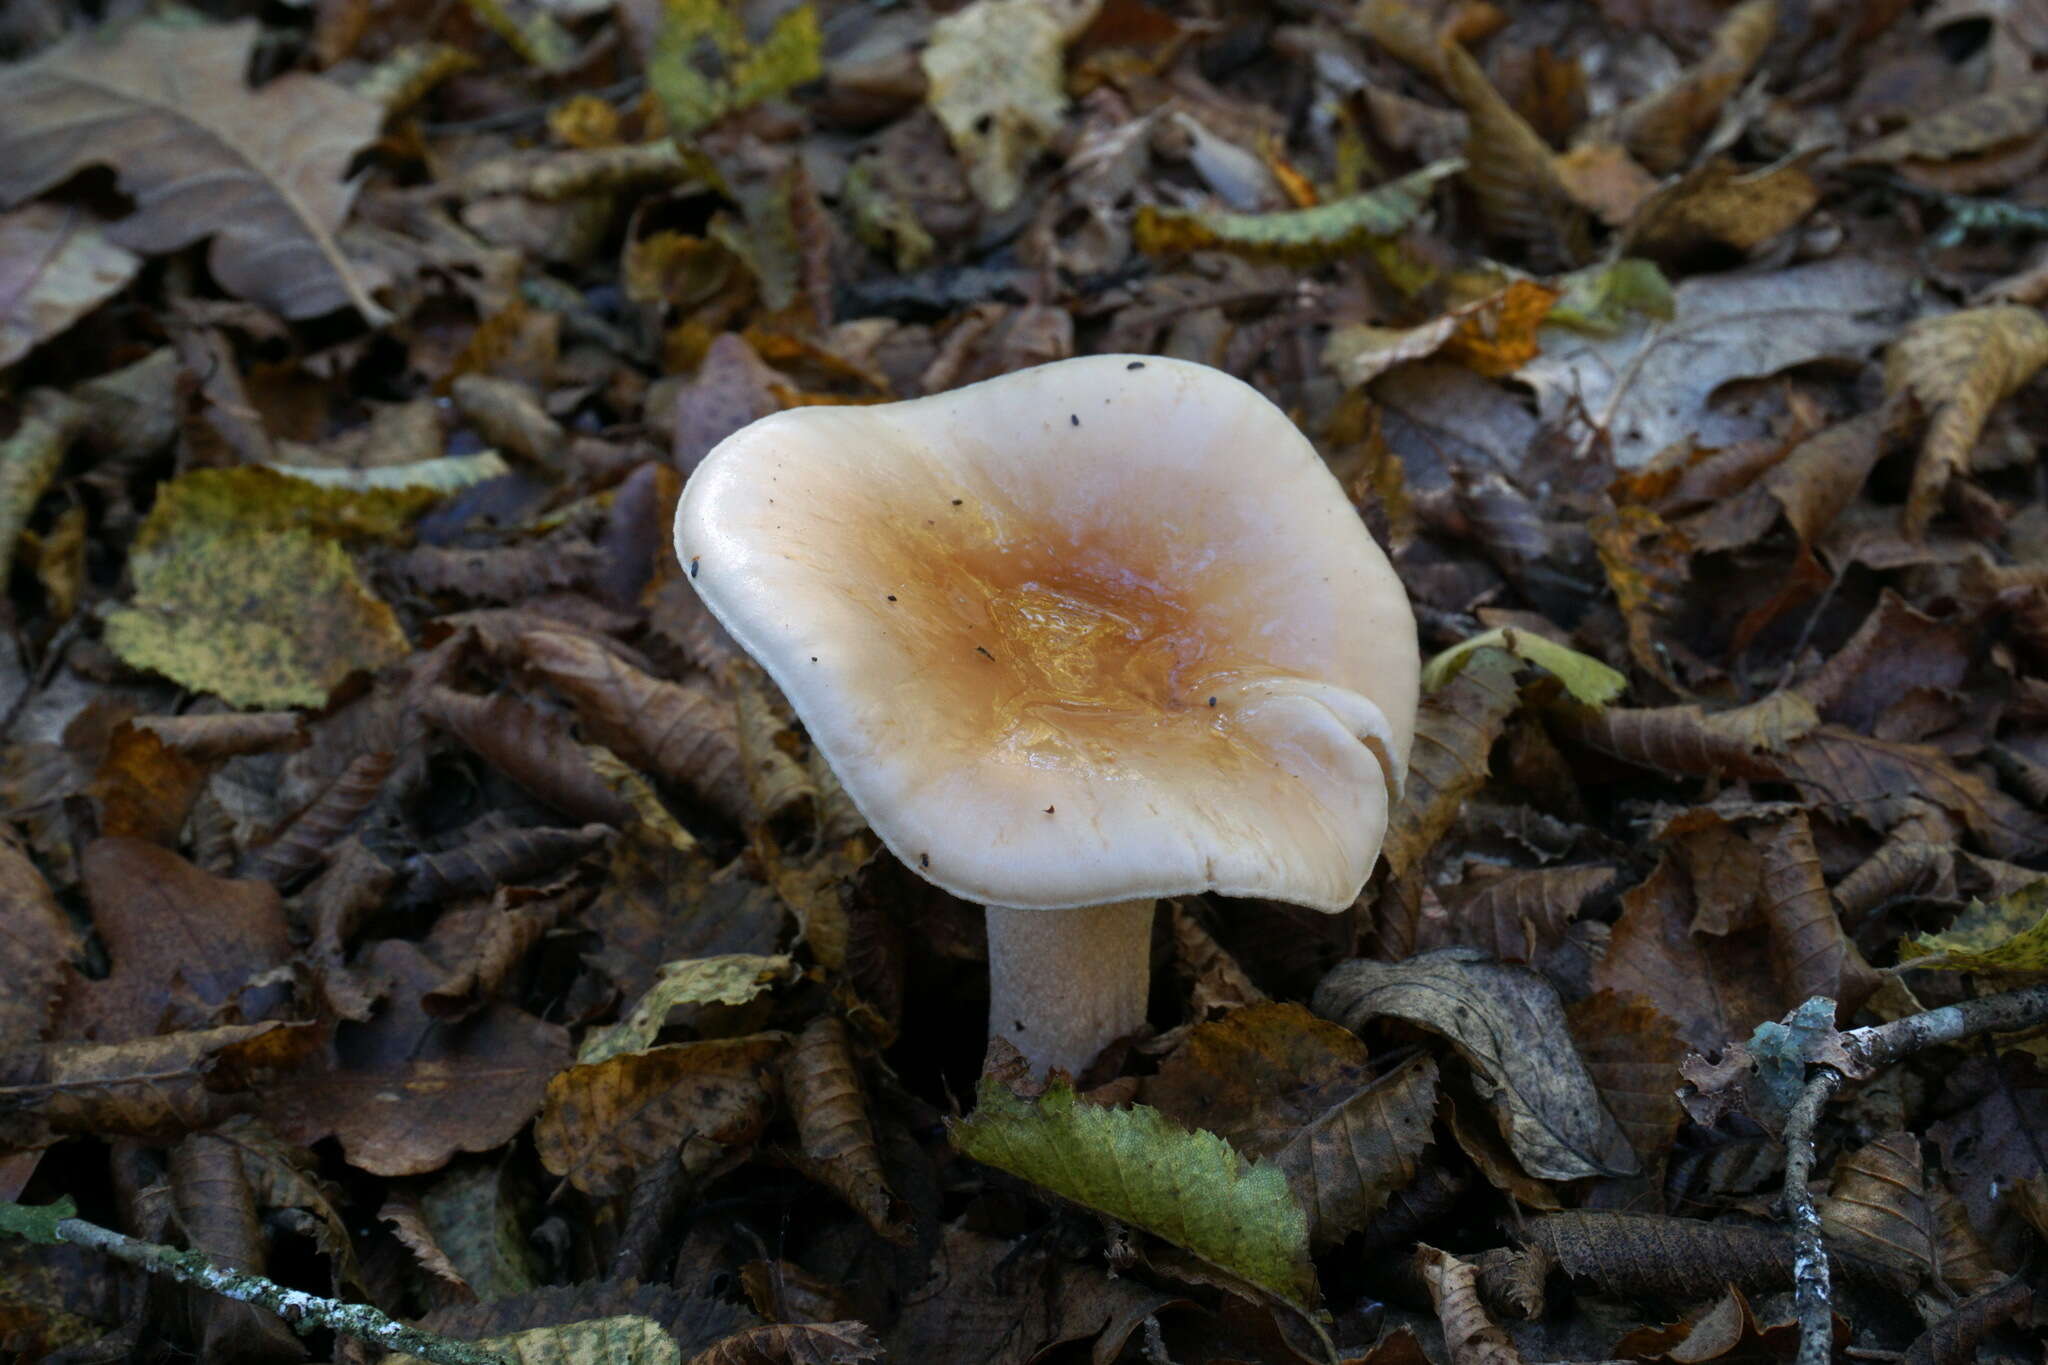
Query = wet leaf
x=1189 y=1188
x=1508 y=1025
x=261 y=172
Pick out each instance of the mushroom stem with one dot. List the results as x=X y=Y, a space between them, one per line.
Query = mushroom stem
x=1064 y=984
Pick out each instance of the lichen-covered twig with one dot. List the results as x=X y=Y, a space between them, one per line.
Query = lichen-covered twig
x=301 y=1311
x=1868 y=1050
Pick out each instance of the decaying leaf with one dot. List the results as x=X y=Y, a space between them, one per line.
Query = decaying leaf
x=1471 y=1337
x=1511 y=169
x=1189 y=1188
x=2007 y=935
x=36 y=941
x=835 y=1138
x=261 y=172
x=1508 y=1025
x=600 y=1341
x=728 y=979
x=1661 y=128
x=701 y=1104
x=1884 y=1206
x=693 y=100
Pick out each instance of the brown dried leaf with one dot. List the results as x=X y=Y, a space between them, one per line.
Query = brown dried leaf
x=703 y=1103
x=1727 y=1330
x=834 y=1136
x=187 y=947
x=1978 y=124
x=1455 y=728
x=1956 y=1339
x=1661 y=129
x=301 y=845
x=1959 y=366
x=261 y=172
x=1511 y=169
x=154 y=1089
x=1217 y=984
x=407 y=1091
x=531 y=749
x=36 y=946
x=227 y=734
x=1632 y=1053
x=1882 y=1206
x=510 y=573
x=217 y=1210
x=1521 y=913
x=1813 y=955
x=1714 y=991
x=811 y=1343
x=1257 y=1076
x=143 y=788
x=1471 y=1337
x=1879 y=782
x=1722 y=205
x=1653 y=1256
x=493 y=858
x=1508 y=1025
x=681 y=732
x=1345 y=1163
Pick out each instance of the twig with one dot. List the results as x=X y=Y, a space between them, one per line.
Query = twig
x=300 y=1311
x=1812 y=1296
x=1867 y=1050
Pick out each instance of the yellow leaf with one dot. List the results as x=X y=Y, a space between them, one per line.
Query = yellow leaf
x=997 y=84
x=2007 y=935
x=1959 y=366
x=1586 y=678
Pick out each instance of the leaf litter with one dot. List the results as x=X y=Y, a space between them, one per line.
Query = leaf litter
x=411 y=895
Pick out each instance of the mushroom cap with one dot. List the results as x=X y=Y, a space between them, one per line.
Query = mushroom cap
x=1094 y=631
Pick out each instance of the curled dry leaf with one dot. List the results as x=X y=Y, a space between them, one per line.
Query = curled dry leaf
x=835 y=1139
x=217 y=1211
x=300 y=846
x=1471 y=1337
x=1661 y=129
x=1301 y=237
x=531 y=749
x=227 y=734
x=1512 y=170
x=683 y=733
x=1631 y=1051
x=808 y=1343
x=261 y=172
x=1522 y=913
x=1508 y=1025
x=494 y=857
x=703 y=1103
x=1958 y=367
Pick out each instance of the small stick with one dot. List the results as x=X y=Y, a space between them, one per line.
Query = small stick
x=300 y=1311
x=1870 y=1049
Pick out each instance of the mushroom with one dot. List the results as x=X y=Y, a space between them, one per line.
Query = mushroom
x=1073 y=639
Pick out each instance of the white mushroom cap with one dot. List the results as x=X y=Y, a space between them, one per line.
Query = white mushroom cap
x=1097 y=631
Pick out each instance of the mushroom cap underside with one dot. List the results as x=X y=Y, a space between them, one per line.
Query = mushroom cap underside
x=1098 y=630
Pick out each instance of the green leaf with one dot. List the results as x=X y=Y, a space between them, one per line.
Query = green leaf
x=1190 y=1188
x=448 y=474
x=242 y=588
x=598 y=1341
x=37 y=1222
x=1327 y=232
x=2007 y=935
x=1590 y=682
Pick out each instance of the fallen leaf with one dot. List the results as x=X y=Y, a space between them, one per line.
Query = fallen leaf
x=261 y=172
x=2008 y=935
x=998 y=85
x=1189 y=1188
x=1311 y=236
x=1649 y=385
x=1511 y=170
x=1590 y=682
x=1959 y=366
x=56 y=265
x=750 y=73
x=601 y=1341
x=1508 y=1025
x=728 y=979
x=705 y=1103
x=1471 y=1337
